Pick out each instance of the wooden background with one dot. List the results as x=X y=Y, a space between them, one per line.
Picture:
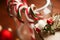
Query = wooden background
x=6 y=21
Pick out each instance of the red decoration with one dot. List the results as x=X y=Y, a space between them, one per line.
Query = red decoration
x=36 y=18
x=38 y=30
x=50 y=21
x=6 y=35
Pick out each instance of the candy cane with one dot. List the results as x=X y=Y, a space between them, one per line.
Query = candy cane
x=20 y=6
x=14 y=3
x=48 y=2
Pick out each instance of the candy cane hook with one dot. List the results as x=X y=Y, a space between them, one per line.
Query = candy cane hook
x=48 y=2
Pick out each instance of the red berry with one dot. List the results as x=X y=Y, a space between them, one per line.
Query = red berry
x=50 y=21
x=38 y=30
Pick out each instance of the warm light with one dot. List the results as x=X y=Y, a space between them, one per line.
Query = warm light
x=0 y=27
x=17 y=38
x=10 y=29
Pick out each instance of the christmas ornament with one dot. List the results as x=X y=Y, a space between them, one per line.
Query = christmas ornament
x=48 y=26
x=6 y=35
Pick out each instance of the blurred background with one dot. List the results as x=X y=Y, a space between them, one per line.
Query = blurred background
x=7 y=22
